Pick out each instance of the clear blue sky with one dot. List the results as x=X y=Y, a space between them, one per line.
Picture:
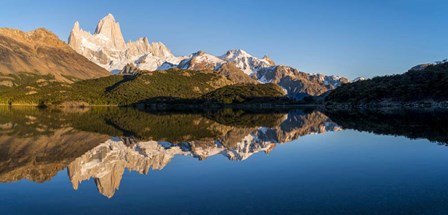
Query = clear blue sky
x=350 y=38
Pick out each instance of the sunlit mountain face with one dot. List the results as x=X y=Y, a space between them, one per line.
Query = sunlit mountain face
x=101 y=144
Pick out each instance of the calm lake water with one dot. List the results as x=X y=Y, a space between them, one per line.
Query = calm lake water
x=128 y=161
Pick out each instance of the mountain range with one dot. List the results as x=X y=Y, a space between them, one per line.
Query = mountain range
x=46 y=67
x=107 y=48
x=37 y=67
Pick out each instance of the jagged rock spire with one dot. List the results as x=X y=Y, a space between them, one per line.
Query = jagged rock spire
x=74 y=37
x=109 y=28
x=76 y=27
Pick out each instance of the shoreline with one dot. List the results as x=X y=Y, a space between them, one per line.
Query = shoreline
x=61 y=106
x=387 y=105
x=174 y=107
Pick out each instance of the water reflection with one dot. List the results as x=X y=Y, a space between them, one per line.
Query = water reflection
x=101 y=143
x=35 y=144
x=413 y=124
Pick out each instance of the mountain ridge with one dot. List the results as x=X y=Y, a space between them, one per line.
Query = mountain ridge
x=42 y=52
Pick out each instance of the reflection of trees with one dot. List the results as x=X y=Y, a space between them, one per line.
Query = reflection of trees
x=173 y=127
x=412 y=124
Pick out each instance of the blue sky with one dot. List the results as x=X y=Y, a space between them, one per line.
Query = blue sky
x=346 y=37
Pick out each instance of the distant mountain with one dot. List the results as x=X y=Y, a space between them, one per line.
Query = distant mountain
x=201 y=61
x=246 y=62
x=426 y=84
x=41 y=52
x=244 y=66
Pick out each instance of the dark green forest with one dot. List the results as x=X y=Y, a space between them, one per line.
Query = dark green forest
x=430 y=83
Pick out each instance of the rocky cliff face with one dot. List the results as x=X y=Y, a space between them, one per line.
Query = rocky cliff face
x=42 y=52
x=299 y=84
x=130 y=69
x=107 y=48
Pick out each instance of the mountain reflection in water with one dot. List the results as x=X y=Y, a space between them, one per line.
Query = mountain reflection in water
x=101 y=143
x=36 y=144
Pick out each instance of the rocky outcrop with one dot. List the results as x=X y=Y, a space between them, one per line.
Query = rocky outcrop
x=130 y=69
x=43 y=53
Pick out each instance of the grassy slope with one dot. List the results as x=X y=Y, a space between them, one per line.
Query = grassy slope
x=124 y=90
x=245 y=93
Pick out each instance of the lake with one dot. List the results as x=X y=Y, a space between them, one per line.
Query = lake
x=295 y=161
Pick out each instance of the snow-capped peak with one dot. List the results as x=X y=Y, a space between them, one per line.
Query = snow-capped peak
x=235 y=53
x=108 y=20
x=246 y=62
x=201 y=61
x=109 y=29
x=107 y=47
